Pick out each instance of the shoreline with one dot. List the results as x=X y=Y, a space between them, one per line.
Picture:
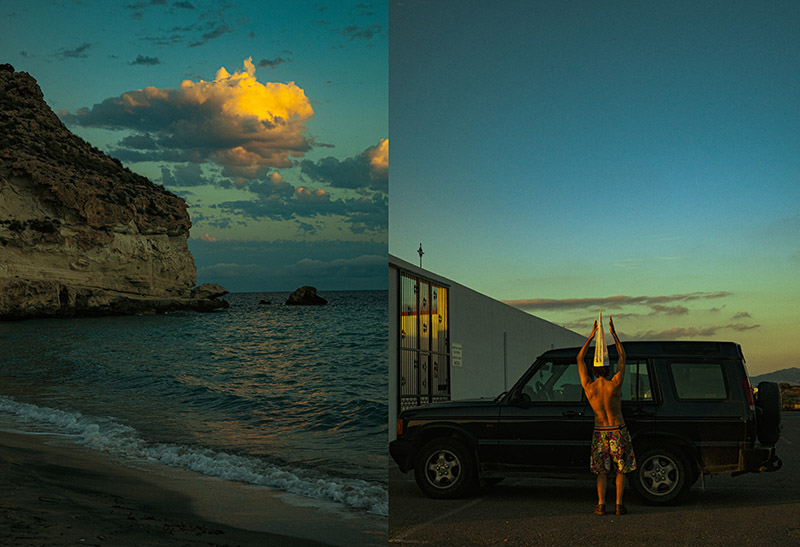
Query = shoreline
x=57 y=492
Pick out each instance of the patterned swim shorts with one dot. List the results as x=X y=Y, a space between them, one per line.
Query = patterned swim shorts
x=612 y=446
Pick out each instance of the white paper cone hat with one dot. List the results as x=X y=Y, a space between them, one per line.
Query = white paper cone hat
x=600 y=348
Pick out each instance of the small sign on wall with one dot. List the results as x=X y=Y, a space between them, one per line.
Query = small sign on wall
x=455 y=355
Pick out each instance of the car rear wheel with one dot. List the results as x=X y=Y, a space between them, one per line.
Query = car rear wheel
x=769 y=420
x=444 y=469
x=661 y=477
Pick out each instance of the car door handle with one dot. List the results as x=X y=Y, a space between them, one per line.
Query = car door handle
x=572 y=414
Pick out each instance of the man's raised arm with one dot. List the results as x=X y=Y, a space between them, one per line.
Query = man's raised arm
x=619 y=377
x=581 y=363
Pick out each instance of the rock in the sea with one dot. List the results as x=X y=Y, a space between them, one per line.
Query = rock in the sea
x=79 y=233
x=208 y=291
x=264 y=303
x=305 y=296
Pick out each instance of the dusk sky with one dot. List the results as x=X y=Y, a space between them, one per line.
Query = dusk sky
x=269 y=117
x=639 y=157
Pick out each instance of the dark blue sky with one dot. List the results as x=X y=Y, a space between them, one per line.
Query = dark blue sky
x=562 y=154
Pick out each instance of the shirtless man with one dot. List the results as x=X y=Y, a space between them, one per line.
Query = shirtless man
x=611 y=443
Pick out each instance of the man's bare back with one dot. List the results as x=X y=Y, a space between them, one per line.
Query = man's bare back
x=605 y=397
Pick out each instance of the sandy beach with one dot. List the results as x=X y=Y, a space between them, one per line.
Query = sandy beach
x=53 y=492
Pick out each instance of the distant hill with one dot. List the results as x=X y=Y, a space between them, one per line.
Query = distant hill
x=787 y=375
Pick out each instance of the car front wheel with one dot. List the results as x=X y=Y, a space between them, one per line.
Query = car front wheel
x=661 y=477
x=444 y=469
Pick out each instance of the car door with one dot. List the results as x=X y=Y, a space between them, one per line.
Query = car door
x=546 y=422
x=702 y=406
x=639 y=398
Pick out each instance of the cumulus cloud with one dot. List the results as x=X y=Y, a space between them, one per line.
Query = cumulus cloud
x=368 y=170
x=139 y=142
x=190 y=174
x=274 y=187
x=234 y=120
x=277 y=199
x=363 y=214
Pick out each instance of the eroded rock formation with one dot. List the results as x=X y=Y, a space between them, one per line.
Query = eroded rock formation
x=79 y=233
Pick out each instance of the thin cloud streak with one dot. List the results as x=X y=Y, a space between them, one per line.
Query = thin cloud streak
x=610 y=302
x=676 y=333
x=76 y=53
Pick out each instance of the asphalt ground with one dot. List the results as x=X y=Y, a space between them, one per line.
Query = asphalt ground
x=752 y=509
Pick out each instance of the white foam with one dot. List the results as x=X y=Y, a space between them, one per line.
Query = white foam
x=109 y=436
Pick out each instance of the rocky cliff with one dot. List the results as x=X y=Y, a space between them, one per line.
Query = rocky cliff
x=79 y=233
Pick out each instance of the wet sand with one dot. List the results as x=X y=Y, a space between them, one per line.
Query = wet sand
x=55 y=493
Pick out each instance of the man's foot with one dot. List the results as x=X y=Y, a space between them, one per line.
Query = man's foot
x=600 y=509
x=621 y=510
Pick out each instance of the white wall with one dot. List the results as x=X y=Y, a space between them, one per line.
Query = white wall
x=498 y=342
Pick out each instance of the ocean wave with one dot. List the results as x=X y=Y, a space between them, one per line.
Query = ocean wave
x=109 y=436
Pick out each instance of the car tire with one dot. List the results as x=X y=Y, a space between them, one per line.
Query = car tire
x=445 y=469
x=769 y=420
x=662 y=476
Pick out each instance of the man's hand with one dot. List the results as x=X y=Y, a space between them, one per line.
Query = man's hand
x=585 y=380
x=610 y=325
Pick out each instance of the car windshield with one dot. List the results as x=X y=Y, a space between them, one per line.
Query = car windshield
x=553 y=382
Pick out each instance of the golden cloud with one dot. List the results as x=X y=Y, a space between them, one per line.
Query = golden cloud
x=234 y=120
x=379 y=157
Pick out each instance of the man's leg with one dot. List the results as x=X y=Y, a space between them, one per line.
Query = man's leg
x=620 y=487
x=602 y=482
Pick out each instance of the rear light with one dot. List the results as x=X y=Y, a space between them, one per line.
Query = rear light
x=400 y=424
x=749 y=394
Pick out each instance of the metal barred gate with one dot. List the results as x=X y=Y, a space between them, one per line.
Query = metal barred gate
x=424 y=342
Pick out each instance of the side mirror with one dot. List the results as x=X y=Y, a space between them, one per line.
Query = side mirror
x=520 y=399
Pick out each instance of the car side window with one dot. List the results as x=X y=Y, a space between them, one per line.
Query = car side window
x=636 y=386
x=554 y=382
x=698 y=381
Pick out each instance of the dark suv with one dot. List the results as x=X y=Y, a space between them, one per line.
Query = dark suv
x=689 y=407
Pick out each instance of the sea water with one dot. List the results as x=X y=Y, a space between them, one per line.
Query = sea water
x=289 y=397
